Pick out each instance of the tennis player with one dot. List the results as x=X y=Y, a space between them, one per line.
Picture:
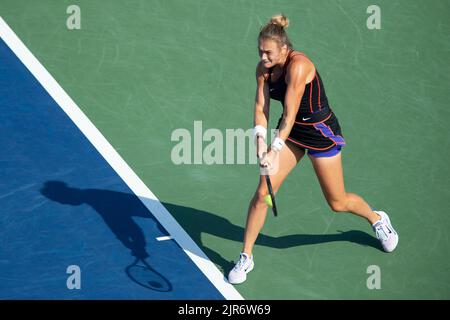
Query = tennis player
x=307 y=126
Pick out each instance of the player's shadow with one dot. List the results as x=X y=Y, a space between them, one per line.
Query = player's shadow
x=118 y=209
x=197 y=222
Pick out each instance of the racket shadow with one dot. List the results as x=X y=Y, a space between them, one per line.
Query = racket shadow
x=144 y=275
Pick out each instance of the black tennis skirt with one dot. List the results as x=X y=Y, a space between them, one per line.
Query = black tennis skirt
x=320 y=136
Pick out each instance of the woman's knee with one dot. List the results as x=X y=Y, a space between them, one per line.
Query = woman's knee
x=258 y=198
x=339 y=205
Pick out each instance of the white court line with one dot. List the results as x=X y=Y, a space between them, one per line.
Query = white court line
x=118 y=164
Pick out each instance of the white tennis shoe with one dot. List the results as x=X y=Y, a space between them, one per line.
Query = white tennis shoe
x=385 y=232
x=239 y=273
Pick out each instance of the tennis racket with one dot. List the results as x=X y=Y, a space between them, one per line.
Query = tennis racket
x=272 y=196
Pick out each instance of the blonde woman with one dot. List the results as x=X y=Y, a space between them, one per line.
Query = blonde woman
x=307 y=126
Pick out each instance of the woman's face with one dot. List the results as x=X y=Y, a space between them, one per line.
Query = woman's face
x=270 y=53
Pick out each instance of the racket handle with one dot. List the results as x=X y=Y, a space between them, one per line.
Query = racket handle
x=272 y=196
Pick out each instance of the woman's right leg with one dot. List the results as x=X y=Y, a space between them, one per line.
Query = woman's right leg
x=289 y=156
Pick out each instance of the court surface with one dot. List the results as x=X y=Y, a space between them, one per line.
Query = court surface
x=87 y=177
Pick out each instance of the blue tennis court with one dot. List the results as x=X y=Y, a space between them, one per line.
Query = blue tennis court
x=71 y=227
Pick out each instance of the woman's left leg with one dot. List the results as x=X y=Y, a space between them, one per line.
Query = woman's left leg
x=331 y=178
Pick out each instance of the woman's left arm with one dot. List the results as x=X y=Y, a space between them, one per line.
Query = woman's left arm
x=295 y=80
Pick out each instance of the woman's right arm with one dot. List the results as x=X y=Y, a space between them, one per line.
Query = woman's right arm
x=261 y=117
x=262 y=98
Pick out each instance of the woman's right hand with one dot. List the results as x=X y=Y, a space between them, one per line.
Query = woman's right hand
x=261 y=147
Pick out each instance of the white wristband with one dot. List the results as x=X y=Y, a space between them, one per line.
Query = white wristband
x=277 y=144
x=259 y=130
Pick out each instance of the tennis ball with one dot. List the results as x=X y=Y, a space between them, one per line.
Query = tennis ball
x=268 y=200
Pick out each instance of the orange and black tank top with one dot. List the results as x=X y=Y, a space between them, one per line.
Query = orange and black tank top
x=314 y=103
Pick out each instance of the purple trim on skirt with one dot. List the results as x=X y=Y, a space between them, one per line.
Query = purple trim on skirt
x=326 y=131
x=325 y=154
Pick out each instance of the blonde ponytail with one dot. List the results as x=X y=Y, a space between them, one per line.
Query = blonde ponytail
x=280 y=20
x=275 y=30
